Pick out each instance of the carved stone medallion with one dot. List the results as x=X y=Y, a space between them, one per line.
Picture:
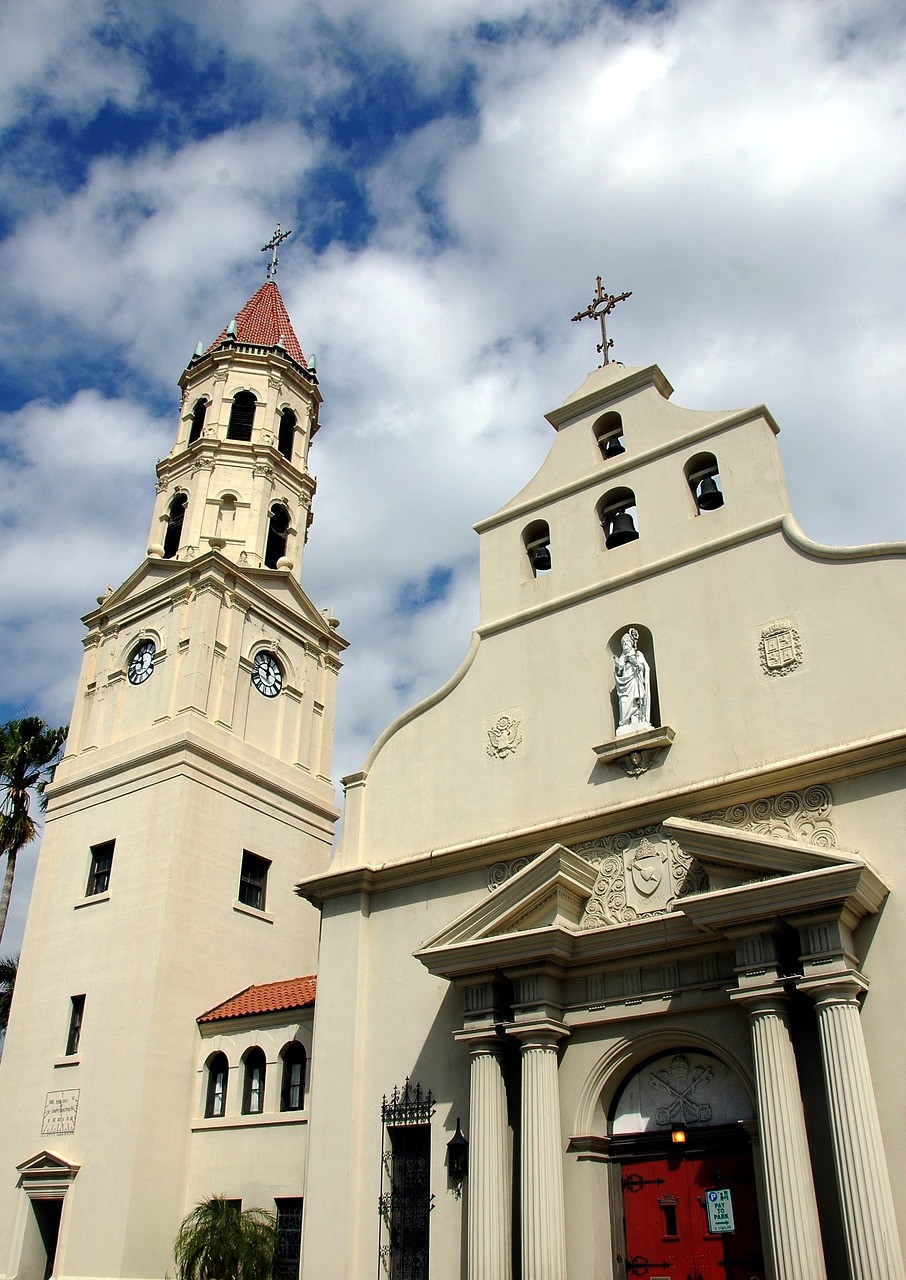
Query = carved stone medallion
x=640 y=874
x=780 y=649
x=504 y=737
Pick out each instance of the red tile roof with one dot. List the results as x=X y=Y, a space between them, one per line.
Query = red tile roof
x=263 y=322
x=268 y=997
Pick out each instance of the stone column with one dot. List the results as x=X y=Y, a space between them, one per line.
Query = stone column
x=490 y=1182
x=793 y=1230
x=541 y=1154
x=872 y=1241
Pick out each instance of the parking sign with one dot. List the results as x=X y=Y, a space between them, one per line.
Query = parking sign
x=719 y=1208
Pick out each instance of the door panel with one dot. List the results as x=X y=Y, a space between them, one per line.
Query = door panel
x=666 y=1224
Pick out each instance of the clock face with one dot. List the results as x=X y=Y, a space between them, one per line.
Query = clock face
x=141 y=664
x=267 y=676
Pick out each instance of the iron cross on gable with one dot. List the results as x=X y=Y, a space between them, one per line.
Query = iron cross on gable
x=276 y=239
x=599 y=308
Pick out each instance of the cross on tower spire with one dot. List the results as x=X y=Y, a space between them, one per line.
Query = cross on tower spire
x=599 y=308
x=276 y=239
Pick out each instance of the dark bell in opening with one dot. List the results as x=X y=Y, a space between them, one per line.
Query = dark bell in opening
x=621 y=530
x=613 y=447
x=709 y=496
x=540 y=557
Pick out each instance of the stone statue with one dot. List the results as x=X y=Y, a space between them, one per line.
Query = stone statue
x=632 y=677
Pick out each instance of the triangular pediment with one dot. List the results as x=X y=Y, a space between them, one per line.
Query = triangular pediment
x=46 y=1167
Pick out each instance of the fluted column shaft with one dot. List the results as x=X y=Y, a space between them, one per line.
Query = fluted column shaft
x=792 y=1210
x=872 y=1240
x=490 y=1182
x=542 y=1208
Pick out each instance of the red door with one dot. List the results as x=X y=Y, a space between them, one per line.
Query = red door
x=667 y=1236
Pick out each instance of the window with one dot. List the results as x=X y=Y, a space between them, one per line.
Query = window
x=215 y=1101
x=101 y=862
x=703 y=478
x=277 y=529
x=76 y=1013
x=242 y=416
x=609 y=435
x=292 y=1088
x=253 y=1083
x=537 y=541
x=198 y=416
x=175 y=517
x=405 y=1200
x=289 y=1238
x=287 y=433
x=615 y=511
x=253 y=880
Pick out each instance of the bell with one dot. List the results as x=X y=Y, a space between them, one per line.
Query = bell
x=709 y=496
x=613 y=447
x=621 y=530
x=540 y=557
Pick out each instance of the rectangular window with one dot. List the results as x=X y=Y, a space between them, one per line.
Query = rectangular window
x=101 y=862
x=253 y=880
x=289 y=1239
x=75 y=1024
x=410 y=1201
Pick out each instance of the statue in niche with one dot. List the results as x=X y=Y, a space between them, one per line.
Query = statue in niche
x=632 y=677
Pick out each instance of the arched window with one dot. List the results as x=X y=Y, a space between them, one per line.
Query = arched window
x=616 y=511
x=253 y=1082
x=287 y=433
x=277 y=529
x=703 y=478
x=242 y=416
x=537 y=541
x=292 y=1088
x=175 y=517
x=198 y=416
x=609 y=434
x=215 y=1101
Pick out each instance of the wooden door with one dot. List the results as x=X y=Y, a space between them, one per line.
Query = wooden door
x=666 y=1226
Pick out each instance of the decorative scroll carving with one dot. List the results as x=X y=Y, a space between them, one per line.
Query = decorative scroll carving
x=640 y=874
x=503 y=871
x=780 y=648
x=263 y=469
x=504 y=737
x=796 y=815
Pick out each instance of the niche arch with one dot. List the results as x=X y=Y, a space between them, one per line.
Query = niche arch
x=645 y=644
x=199 y=415
x=242 y=416
x=536 y=538
x=174 y=519
x=279 y=529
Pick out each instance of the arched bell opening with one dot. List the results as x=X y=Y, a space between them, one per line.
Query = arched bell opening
x=608 y=433
x=242 y=416
x=286 y=434
x=176 y=514
x=703 y=478
x=277 y=533
x=199 y=414
x=536 y=539
x=618 y=516
x=634 y=696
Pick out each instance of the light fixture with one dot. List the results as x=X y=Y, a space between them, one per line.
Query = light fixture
x=457 y=1159
x=678 y=1133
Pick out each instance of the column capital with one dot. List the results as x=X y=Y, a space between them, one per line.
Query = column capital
x=541 y=1033
x=835 y=988
x=487 y=1039
x=768 y=997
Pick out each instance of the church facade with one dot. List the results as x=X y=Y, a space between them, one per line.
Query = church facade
x=608 y=952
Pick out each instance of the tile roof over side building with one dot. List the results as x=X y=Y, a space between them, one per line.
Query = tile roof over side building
x=264 y=322
x=268 y=997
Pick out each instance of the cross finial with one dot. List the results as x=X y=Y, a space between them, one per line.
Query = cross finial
x=276 y=239
x=599 y=308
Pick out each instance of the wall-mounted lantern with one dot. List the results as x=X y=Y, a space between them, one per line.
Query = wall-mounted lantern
x=457 y=1159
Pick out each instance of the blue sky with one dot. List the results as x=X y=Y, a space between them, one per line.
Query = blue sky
x=456 y=174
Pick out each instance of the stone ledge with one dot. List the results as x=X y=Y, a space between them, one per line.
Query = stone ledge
x=635 y=752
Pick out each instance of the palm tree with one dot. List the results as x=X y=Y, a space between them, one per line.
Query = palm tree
x=29 y=749
x=8 y=968
x=218 y=1241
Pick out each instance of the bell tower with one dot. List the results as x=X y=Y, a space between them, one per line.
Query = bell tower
x=194 y=794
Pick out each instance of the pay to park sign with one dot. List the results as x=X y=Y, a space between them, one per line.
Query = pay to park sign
x=719 y=1208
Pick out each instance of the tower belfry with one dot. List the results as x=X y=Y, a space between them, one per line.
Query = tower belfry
x=194 y=793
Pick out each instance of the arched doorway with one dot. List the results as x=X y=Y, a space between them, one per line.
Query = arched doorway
x=688 y=1192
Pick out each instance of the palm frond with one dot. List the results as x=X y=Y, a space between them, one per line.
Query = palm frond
x=218 y=1241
